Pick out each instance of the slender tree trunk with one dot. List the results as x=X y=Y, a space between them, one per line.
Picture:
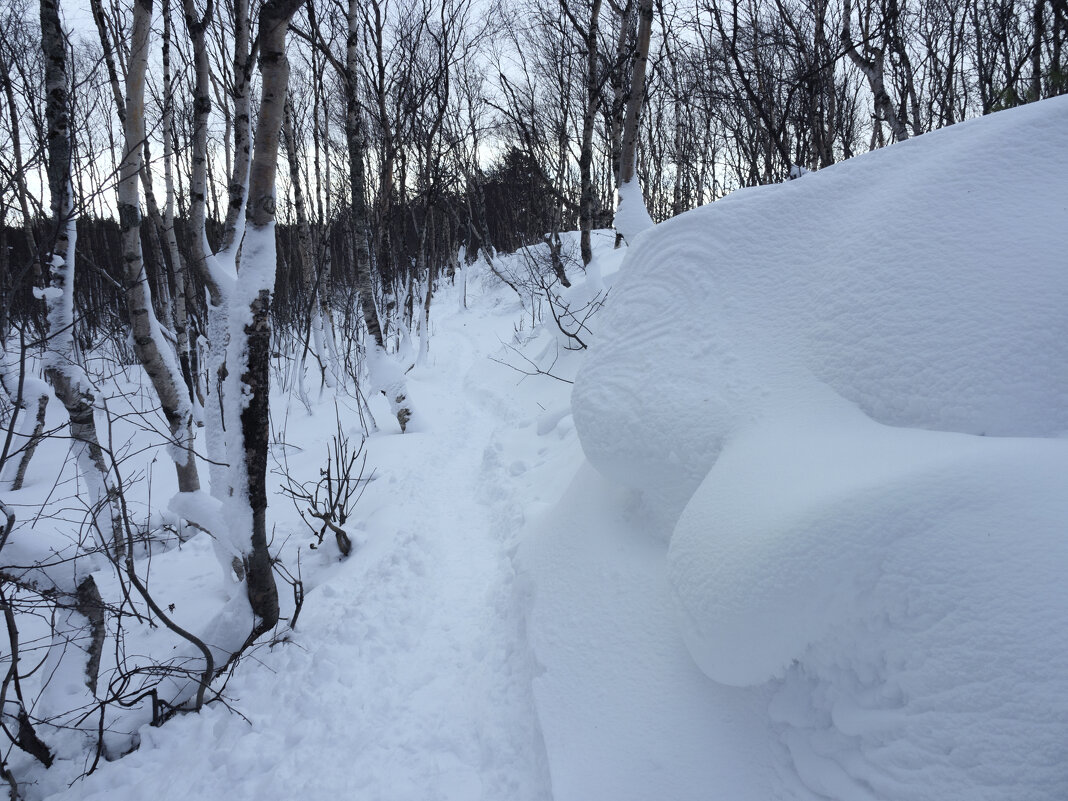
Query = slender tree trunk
x=20 y=169
x=629 y=190
x=385 y=375
x=589 y=115
x=636 y=98
x=239 y=178
x=152 y=349
x=872 y=68
x=68 y=379
x=26 y=387
x=1038 y=22
x=312 y=322
x=223 y=434
x=354 y=138
x=619 y=91
x=181 y=314
x=257 y=281
x=32 y=437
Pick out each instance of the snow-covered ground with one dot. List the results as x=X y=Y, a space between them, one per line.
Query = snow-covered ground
x=816 y=552
x=409 y=674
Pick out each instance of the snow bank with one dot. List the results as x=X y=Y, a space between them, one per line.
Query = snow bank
x=925 y=282
x=908 y=588
x=849 y=391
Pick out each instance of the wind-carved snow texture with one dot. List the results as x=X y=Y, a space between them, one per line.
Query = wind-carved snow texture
x=861 y=375
x=926 y=282
x=904 y=588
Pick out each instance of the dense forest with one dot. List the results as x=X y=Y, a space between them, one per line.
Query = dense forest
x=460 y=128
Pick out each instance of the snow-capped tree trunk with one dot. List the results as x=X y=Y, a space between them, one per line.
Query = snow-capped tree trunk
x=218 y=279
x=384 y=376
x=20 y=389
x=32 y=429
x=249 y=350
x=69 y=381
x=239 y=312
x=152 y=349
x=632 y=216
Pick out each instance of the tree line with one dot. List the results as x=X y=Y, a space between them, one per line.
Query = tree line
x=439 y=127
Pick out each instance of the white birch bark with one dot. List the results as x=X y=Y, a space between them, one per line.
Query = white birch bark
x=871 y=65
x=233 y=225
x=72 y=387
x=248 y=354
x=153 y=350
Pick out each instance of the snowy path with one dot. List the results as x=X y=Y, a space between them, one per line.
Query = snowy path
x=409 y=676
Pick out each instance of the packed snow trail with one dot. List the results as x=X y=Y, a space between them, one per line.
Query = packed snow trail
x=408 y=676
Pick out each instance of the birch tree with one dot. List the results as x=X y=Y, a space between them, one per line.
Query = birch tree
x=632 y=217
x=589 y=35
x=154 y=351
x=869 y=58
x=250 y=329
x=69 y=380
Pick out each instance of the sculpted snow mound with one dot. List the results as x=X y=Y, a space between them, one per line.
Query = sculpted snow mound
x=904 y=591
x=925 y=282
x=852 y=392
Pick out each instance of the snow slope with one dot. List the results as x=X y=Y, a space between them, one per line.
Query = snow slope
x=850 y=393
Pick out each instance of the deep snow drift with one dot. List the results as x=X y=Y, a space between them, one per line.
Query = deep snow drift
x=852 y=389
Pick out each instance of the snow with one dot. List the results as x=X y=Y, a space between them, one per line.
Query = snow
x=632 y=215
x=624 y=711
x=858 y=274
x=409 y=675
x=848 y=392
x=795 y=534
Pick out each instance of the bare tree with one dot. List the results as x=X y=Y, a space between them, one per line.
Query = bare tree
x=869 y=59
x=61 y=365
x=153 y=350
